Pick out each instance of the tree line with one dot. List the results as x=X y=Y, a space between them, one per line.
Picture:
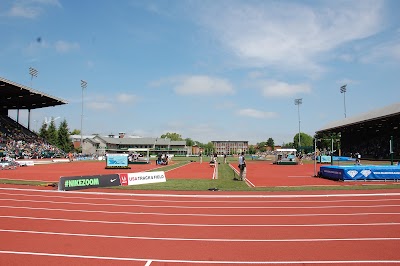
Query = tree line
x=58 y=137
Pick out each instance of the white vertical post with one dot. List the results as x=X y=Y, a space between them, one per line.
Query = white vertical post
x=83 y=86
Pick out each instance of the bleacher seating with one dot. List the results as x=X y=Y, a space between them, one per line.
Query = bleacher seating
x=18 y=142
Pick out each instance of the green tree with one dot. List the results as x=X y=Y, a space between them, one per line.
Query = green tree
x=305 y=140
x=271 y=143
x=209 y=148
x=189 y=142
x=43 y=131
x=52 y=133
x=172 y=136
x=252 y=149
x=75 y=132
x=64 y=142
x=288 y=145
x=262 y=146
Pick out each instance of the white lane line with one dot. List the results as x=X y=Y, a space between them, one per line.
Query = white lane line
x=201 y=214
x=75 y=256
x=200 y=201
x=148 y=263
x=200 y=207
x=208 y=195
x=203 y=239
x=249 y=182
x=197 y=225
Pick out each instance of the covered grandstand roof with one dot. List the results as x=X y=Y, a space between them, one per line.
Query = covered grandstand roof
x=16 y=96
x=378 y=114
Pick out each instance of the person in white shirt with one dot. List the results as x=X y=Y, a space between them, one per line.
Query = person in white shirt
x=242 y=166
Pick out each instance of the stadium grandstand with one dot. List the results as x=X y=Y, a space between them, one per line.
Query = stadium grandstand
x=16 y=140
x=368 y=134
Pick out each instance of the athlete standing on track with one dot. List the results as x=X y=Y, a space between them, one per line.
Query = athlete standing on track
x=242 y=166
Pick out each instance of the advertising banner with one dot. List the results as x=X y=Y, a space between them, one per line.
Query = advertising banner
x=67 y=183
x=142 y=178
x=372 y=173
x=325 y=159
x=361 y=172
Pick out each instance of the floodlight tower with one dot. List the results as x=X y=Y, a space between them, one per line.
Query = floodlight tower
x=33 y=72
x=343 y=90
x=83 y=86
x=298 y=102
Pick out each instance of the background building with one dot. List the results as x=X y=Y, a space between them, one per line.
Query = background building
x=230 y=147
x=101 y=145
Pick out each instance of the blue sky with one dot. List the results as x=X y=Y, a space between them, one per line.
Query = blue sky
x=208 y=70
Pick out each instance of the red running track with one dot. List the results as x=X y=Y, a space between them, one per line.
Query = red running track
x=192 y=170
x=68 y=228
x=53 y=171
x=259 y=173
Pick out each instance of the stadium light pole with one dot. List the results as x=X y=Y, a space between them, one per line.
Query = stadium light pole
x=34 y=73
x=298 y=102
x=83 y=86
x=343 y=90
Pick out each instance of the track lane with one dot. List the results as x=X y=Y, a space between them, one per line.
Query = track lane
x=294 y=249
x=276 y=242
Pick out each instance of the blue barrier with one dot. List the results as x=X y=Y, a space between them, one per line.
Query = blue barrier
x=361 y=172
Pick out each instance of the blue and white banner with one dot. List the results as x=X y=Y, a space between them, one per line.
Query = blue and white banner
x=325 y=159
x=117 y=160
x=361 y=172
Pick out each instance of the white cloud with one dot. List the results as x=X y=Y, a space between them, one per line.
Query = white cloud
x=256 y=113
x=35 y=47
x=346 y=57
x=255 y=74
x=65 y=47
x=100 y=106
x=287 y=34
x=47 y=2
x=109 y=103
x=19 y=10
x=389 y=51
x=126 y=98
x=225 y=105
x=283 y=89
x=30 y=8
x=203 y=85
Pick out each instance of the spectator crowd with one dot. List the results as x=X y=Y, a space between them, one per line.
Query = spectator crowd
x=18 y=142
